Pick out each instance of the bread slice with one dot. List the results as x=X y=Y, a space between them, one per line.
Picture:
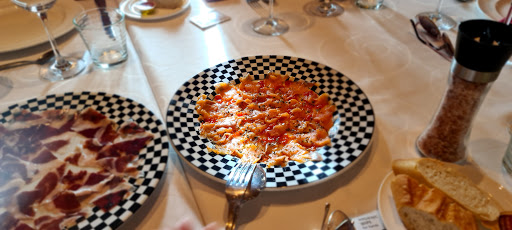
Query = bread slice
x=424 y=208
x=446 y=178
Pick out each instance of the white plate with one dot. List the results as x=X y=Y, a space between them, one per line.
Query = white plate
x=390 y=216
x=494 y=9
x=386 y=205
x=160 y=13
x=24 y=29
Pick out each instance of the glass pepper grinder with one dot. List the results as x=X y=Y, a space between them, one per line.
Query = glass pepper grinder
x=482 y=49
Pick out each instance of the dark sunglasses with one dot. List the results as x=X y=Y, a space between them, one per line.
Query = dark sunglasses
x=431 y=35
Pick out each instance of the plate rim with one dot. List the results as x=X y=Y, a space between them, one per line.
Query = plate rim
x=386 y=209
x=141 y=199
x=124 y=7
x=488 y=8
x=281 y=188
x=70 y=9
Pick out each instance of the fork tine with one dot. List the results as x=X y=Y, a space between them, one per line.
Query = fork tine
x=258 y=7
x=234 y=173
x=240 y=180
x=236 y=190
x=254 y=3
x=249 y=173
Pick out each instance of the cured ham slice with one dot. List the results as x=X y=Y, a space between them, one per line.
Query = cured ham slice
x=56 y=165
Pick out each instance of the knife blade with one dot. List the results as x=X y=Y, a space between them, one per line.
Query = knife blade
x=105 y=19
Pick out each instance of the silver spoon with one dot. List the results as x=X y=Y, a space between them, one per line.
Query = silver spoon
x=41 y=60
x=338 y=220
x=258 y=182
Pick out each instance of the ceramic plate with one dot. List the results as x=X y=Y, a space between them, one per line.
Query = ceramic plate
x=389 y=213
x=118 y=109
x=353 y=129
x=494 y=9
x=126 y=7
x=24 y=29
x=386 y=205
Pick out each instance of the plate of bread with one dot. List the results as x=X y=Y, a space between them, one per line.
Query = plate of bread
x=428 y=194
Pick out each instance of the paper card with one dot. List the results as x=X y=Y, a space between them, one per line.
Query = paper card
x=207 y=20
x=369 y=221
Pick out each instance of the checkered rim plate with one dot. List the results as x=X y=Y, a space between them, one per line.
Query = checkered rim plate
x=350 y=136
x=118 y=109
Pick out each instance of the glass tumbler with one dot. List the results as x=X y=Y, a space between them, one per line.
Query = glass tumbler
x=103 y=31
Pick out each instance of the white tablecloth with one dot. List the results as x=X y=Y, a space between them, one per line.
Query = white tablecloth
x=378 y=50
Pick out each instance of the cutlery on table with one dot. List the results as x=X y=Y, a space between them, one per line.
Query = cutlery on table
x=338 y=220
x=41 y=60
x=256 y=6
x=244 y=183
x=105 y=19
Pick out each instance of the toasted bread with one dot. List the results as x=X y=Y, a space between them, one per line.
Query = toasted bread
x=424 y=208
x=446 y=178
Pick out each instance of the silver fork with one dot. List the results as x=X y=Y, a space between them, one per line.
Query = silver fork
x=256 y=6
x=236 y=188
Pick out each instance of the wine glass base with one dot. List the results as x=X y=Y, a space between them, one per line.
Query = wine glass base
x=443 y=22
x=322 y=9
x=270 y=26
x=71 y=67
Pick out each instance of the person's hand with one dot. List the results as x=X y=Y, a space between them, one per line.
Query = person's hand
x=186 y=224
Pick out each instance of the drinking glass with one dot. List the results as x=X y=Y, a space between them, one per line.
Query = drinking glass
x=104 y=33
x=324 y=8
x=61 y=67
x=443 y=21
x=5 y=86
x=270 y=26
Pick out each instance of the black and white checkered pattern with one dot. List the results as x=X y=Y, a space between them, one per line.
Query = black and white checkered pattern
x=118 y=109
x=351 y=134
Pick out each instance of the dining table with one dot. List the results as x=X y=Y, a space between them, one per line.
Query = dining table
x=403 y=79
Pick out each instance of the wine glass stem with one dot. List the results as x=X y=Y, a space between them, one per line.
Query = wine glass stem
x=58 y=58
x=325 y=6
x=271 y=9
x=439 y=4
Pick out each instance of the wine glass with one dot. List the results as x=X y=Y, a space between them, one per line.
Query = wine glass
x=61 y=67
x=324 y=8
x=443 y=21
x=270 y=26
x=5 y=86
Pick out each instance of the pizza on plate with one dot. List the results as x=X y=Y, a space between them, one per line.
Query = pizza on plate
x=271 y=121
